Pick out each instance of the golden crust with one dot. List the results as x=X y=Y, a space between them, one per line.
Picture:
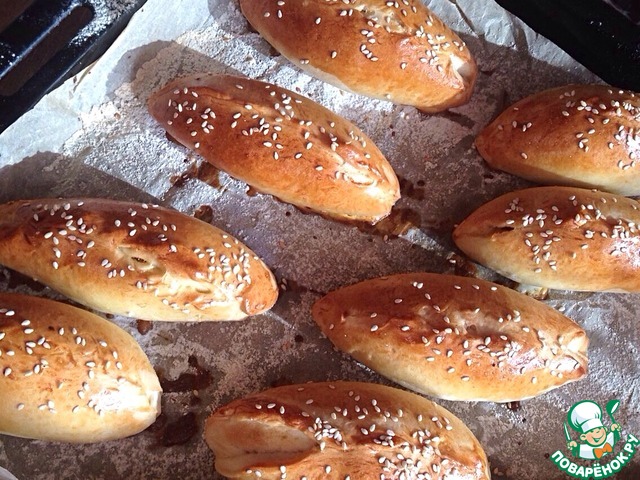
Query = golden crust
x=578 y=135
x=557 y=237
x=338 y=430
x=400 y=52
x=134 y=259
x=455 y=338
x=68 y=375
x=281 y=143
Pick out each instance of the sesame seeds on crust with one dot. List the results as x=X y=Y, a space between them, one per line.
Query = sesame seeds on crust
x=351 y=430
x=425 y=64
x=579 y=135
x=65 y=362
x=557 y=237
x=280 y=143
x=176 y=266
x=450 y=332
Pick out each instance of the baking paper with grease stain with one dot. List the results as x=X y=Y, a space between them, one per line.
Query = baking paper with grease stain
x=94 y=137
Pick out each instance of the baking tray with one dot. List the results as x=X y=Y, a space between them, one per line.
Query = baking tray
x=105 y=144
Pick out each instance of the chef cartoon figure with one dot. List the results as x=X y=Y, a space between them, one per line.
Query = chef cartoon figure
x=586 y=418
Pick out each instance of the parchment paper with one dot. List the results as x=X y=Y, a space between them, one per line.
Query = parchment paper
x=93 y=137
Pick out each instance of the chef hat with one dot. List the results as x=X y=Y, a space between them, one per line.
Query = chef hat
x=585 y=416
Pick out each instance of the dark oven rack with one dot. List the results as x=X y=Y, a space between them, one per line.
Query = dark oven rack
x=603 y=35
x=44 y=42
